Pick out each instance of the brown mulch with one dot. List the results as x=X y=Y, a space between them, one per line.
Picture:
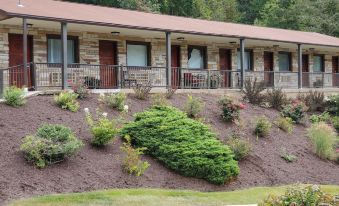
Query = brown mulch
x=93 y=169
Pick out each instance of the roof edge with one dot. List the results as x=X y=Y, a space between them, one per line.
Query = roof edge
x=4 y=15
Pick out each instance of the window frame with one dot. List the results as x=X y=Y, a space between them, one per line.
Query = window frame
x=76 y=47
x=322 y=58
x=250 y=51
x=148 y=47
x=289 y=61
x=203 y=50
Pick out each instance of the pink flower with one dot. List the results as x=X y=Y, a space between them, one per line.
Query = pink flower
x=242 y=106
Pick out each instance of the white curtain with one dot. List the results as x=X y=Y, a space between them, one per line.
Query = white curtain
x=137 y=55
x=247 y=63
x=196 y=60
x=54 y=51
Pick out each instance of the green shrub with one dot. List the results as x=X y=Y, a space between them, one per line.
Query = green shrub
x=182 y=144
x=193 y=106
x=142 y=91
x=51 y=144
x=332 y=105
x=288 y=157
x=132 y=163
x=295 y=111
x=335 y=123
x=323 y=140
x=103 y=129
x=80 y=89
x=314 y=100
x=253 y=91
x=241 y=148
x=324 y=117
x=230 y=110
x=159 y=100
x=285 y=124
x=14 y=96
x=276 y=98
x=170 y=92
x=300 y=195
x=262 y=127
x=115 y=100
x=67 y=100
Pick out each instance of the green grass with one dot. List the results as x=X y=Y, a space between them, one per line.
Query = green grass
x=155 y=197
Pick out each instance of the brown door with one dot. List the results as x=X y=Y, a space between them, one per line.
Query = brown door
x=335 y=67
x=175 y=66
x=225 y=64
x=268 y=68
x=108 y=58
x=305 y=68
x=16 y=59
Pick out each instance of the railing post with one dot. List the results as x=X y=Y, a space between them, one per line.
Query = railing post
x=119 y=77
x=208 y=79
x=35 y=77
x=242 y=62
x=24 y=36
x=2 y=83
x=300 y=70
x=168 y=59
x=64 y=54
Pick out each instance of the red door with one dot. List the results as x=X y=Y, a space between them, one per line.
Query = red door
x=108 y=57
x=305 y=74
x=16 y=58
x=335 y=67
x=225 y=64
x=268 y=69
x=175 y=66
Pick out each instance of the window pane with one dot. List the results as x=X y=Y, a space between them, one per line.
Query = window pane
x=284 y=62
x=247 y=63
x=136 y=55
x=317 y=64
x=196 y=60
x=54 y=51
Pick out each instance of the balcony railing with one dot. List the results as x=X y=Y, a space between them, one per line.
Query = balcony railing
x=49 y=76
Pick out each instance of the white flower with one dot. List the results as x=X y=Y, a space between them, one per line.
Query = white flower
x=104 y=114
x=126 y=108
x=326 y=99
x=102 y=94
x=86 y=110
x=315 y=188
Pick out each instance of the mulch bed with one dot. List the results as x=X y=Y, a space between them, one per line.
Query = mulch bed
x=94 y=169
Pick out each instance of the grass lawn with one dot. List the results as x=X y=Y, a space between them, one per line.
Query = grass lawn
x=155 y=197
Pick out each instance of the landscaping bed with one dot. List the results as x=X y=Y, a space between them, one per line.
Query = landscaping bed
x=93 y=168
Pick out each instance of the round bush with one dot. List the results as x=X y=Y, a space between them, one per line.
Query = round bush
x=51 y=144
x=182 y=144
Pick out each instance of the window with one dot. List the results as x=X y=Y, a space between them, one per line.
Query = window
x=285 y=61
x=196 y=57
x=138 y=54
x=54 y=49
x=248 y=60
x=318 y=63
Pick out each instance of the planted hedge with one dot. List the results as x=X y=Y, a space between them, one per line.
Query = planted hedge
x=182 y=144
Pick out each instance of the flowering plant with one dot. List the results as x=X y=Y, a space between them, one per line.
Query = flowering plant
x=80 y=88
x=230 y=109
x=295 y=111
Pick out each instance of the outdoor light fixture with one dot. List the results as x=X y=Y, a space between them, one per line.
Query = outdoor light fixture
x=181 y=38
x=19 y=4
x=233 y=42
x=312 y=49
x=275 y=46
x=29 y=25
x=115 y=33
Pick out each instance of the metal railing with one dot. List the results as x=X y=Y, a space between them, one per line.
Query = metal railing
x=319 y=79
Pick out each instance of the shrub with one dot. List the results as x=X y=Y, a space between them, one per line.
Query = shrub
x=170 y=92
x=295 y=111
x=314 y=100
x=288 y=157
x=262 y=127
x=132 y=163
x=300 y=195
x=80 y=89
x=285 y=124
x=253 y=91
x=323 y=140
x=14 y=96
x=276 y=98
x=182 y=144
x=332 y=105
x=67 y=100
x=241 y=148
x=335 y=123
x=230 y=110
x=324 y=117
x=103 y=129
x=115 y=100
x=159 y=100
x=193 y=106
x=142 y=91
x=51 y=144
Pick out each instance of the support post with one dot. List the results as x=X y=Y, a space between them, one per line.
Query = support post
x=64 y=54
x=2 y=83
x=24 y=46
x=242 y=62
x=300 y=69
x=168 y=59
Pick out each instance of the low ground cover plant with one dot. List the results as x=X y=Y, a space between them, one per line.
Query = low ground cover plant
x=299 y=195
x=67 y=100
x=295 y=111
x=80 y=88
x=103 y=129
x=253 y=91
x=142 y=91
x=276 y=98
x=262 y=127
x=323 y=117
x=14 y=96
x=285 y=124
x=288 y=157
x=114 y=100
x=332 y=105
x=240 y=147
x=182 y=144
x=193 y=106
x=323 y=139
x=132 y=163
x=159 y=100
x=50 y=144
x=230 y=109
